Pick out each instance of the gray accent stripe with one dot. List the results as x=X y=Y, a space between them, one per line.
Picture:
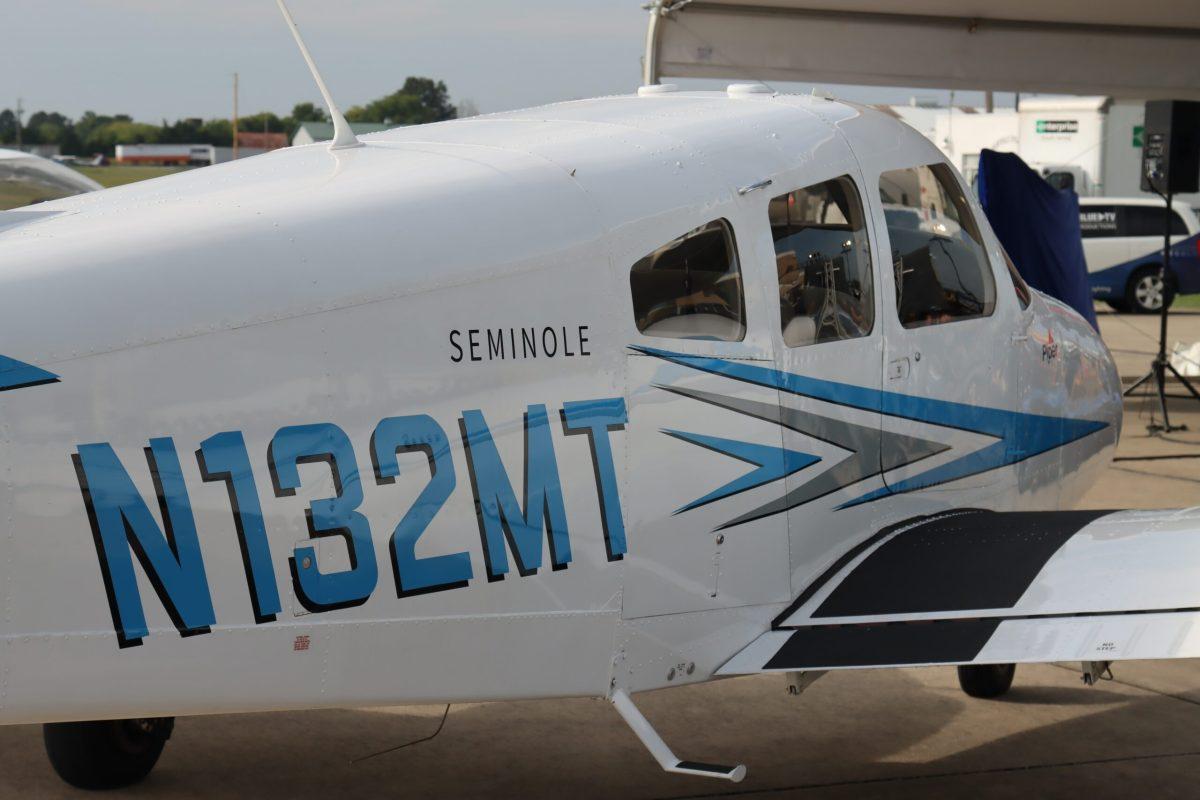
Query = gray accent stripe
x=873 y=450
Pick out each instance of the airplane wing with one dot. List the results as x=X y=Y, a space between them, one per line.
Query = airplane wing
x=983 y=587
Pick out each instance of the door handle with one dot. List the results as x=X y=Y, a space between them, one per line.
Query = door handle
x=898 y=369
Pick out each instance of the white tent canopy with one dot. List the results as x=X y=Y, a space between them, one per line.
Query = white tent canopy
x=1143 y=49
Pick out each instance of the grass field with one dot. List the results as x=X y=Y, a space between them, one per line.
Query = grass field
x=17 y=194
x=1187 y=301
x=121 y=175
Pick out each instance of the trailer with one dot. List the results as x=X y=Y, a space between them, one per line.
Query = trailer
x=166 y=154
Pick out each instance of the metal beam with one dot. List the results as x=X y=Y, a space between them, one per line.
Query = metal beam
x=773 y=42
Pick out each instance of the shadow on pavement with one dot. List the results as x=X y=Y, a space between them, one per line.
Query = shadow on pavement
x=907 y=733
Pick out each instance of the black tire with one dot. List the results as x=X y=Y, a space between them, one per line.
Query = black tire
x=106 y=755
x=986 y=680
x=1119 y=306
x=1144 y=293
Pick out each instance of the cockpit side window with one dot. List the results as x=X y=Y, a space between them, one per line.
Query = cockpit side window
x=941 y=265
x=823 y=261
x=691 y=287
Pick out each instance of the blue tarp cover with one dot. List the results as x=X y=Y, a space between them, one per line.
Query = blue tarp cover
x=1039 y=227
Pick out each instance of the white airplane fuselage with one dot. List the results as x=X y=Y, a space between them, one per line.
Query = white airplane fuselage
x=377 y=426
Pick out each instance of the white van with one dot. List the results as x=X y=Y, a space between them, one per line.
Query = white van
x=1123 y=243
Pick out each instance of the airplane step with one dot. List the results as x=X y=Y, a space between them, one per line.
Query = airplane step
x=661 y=752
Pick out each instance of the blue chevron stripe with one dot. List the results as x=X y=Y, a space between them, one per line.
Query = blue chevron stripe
x=1021 y=436
x=18 y=375
x=772 y=464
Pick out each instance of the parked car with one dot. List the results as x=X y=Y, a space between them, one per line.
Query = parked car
x=26 y=179
x=1123 y=244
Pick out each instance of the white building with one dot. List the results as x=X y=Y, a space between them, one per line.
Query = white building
x=962 y=132
x=313 y=132
x=1092 y=144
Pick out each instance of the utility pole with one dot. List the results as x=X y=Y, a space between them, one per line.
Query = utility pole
x=235 y=116
x=20 y=111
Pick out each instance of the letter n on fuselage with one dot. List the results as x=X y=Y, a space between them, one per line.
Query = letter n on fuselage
x=122 y=522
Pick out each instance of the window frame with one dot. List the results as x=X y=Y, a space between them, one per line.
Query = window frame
x=1021 y=288
x=867 y=214
x=731 y=233
x=989 y=266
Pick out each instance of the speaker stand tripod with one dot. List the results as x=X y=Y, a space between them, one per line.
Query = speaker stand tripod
x=1161 y=364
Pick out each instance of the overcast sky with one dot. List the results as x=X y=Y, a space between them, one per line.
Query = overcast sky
x=166 y=59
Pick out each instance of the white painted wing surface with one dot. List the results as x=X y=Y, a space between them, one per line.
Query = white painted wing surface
x=985 y=587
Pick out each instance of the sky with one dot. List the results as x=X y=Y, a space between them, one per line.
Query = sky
x=169 y=59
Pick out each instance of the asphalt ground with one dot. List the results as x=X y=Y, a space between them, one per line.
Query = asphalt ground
x=1133 y=338
x=867 y=734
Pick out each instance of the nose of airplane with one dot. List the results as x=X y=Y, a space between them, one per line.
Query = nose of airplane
x=1109 y=384
x=1092 y=383
x=1066 y=372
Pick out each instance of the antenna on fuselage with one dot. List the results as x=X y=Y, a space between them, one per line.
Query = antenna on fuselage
x=343 y=134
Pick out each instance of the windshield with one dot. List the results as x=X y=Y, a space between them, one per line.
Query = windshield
x=25 y=180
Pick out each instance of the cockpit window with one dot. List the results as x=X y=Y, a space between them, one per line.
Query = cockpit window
x=26 y=179
x=941 y=266
x=823 y=261
x=691 y=288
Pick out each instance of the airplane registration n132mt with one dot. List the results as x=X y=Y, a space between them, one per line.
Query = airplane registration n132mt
x=582 y=400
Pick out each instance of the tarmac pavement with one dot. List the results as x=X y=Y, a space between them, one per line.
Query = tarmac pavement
x=872 y=734
x=868 y=734
x=1133 y=338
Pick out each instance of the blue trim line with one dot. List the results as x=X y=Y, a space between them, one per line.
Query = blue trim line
x=19 y=375
x=1185 y=265
x=771 y=464
x=1021 y=436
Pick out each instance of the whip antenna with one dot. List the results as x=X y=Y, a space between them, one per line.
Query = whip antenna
x=343 y=135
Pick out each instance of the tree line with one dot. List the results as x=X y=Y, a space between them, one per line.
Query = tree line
x=419 y=101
